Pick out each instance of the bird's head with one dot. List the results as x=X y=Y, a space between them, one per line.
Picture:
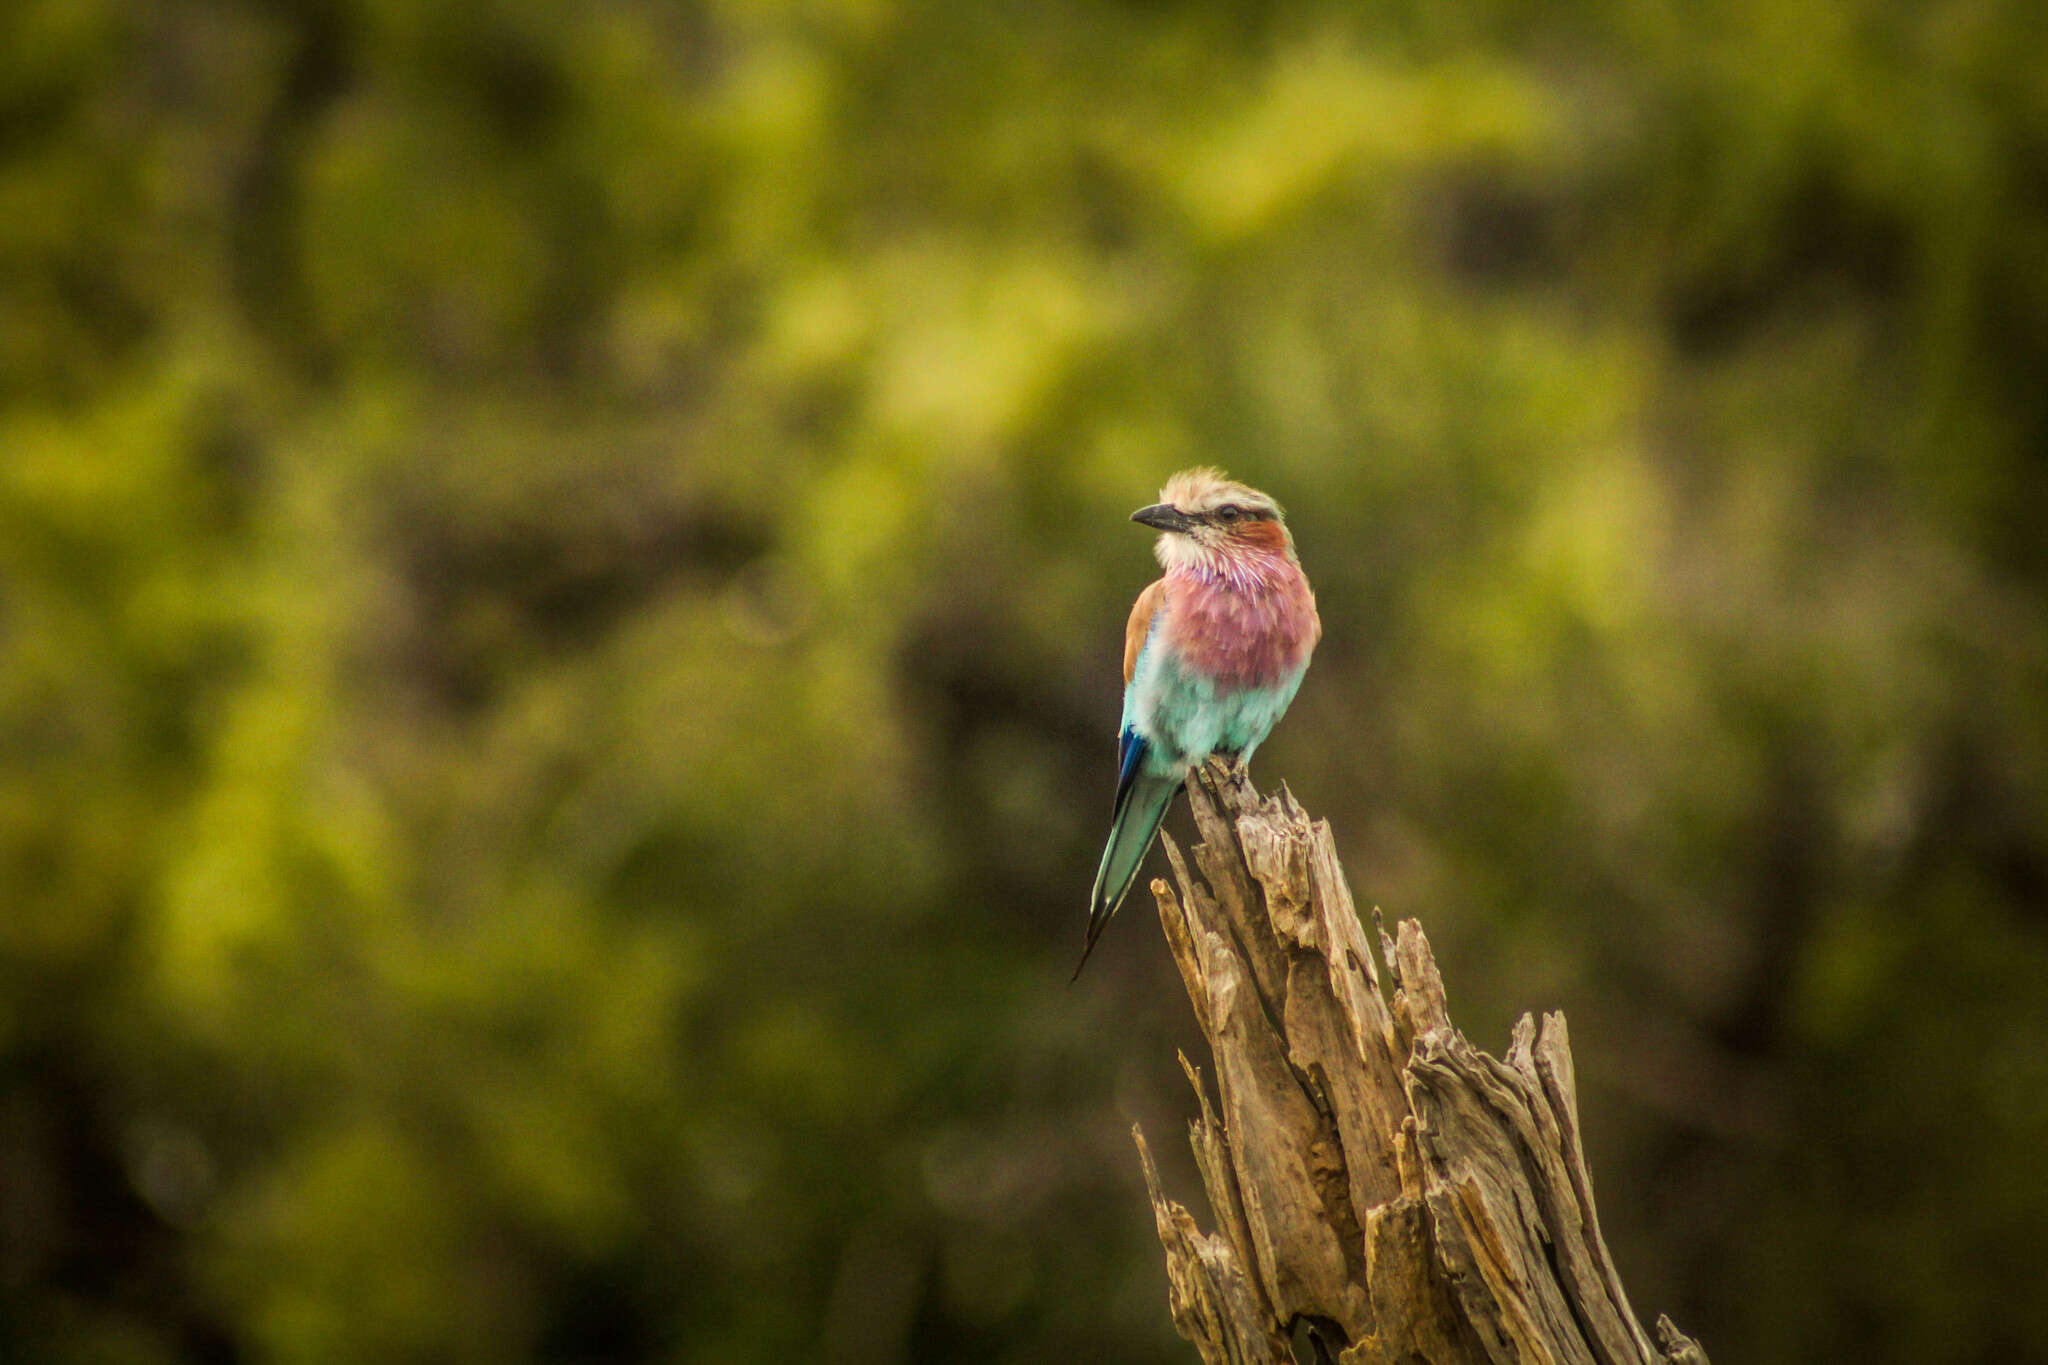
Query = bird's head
x=1208 y=521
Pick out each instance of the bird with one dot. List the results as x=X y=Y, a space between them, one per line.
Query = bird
x=1213 y=654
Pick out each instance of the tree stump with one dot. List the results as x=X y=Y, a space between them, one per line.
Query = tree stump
x=1385 y=1193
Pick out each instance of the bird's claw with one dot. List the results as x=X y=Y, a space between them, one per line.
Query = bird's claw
x=1225 y=767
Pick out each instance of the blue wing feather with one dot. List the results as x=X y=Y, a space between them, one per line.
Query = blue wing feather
x=1142 y=797
x=1130 y=754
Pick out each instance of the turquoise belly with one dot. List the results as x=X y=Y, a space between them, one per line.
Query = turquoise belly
x=1184 y=717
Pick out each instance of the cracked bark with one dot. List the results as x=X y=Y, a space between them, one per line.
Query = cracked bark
x=1385 y=1193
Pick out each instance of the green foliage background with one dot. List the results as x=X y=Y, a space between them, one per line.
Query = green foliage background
x=561 y=569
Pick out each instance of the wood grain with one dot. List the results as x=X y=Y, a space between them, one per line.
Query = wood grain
x=1385 y=1192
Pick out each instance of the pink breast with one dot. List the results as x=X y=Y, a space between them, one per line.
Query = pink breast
x=1243 y=637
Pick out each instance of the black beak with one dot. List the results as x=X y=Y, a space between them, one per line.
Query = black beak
x=1163 y=516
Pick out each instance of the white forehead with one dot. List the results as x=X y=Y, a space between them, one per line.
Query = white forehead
x=1205 y=490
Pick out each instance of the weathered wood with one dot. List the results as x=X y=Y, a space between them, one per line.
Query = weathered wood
x=1385 y=1192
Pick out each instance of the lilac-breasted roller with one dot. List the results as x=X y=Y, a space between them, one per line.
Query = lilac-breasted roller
x=1213 y=654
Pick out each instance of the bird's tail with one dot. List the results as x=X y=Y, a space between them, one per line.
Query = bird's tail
x=1131 y=832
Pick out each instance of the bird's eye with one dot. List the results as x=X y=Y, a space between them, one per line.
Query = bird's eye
x=1231 y=513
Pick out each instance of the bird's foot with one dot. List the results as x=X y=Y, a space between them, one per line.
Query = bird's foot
x=1227 y=768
